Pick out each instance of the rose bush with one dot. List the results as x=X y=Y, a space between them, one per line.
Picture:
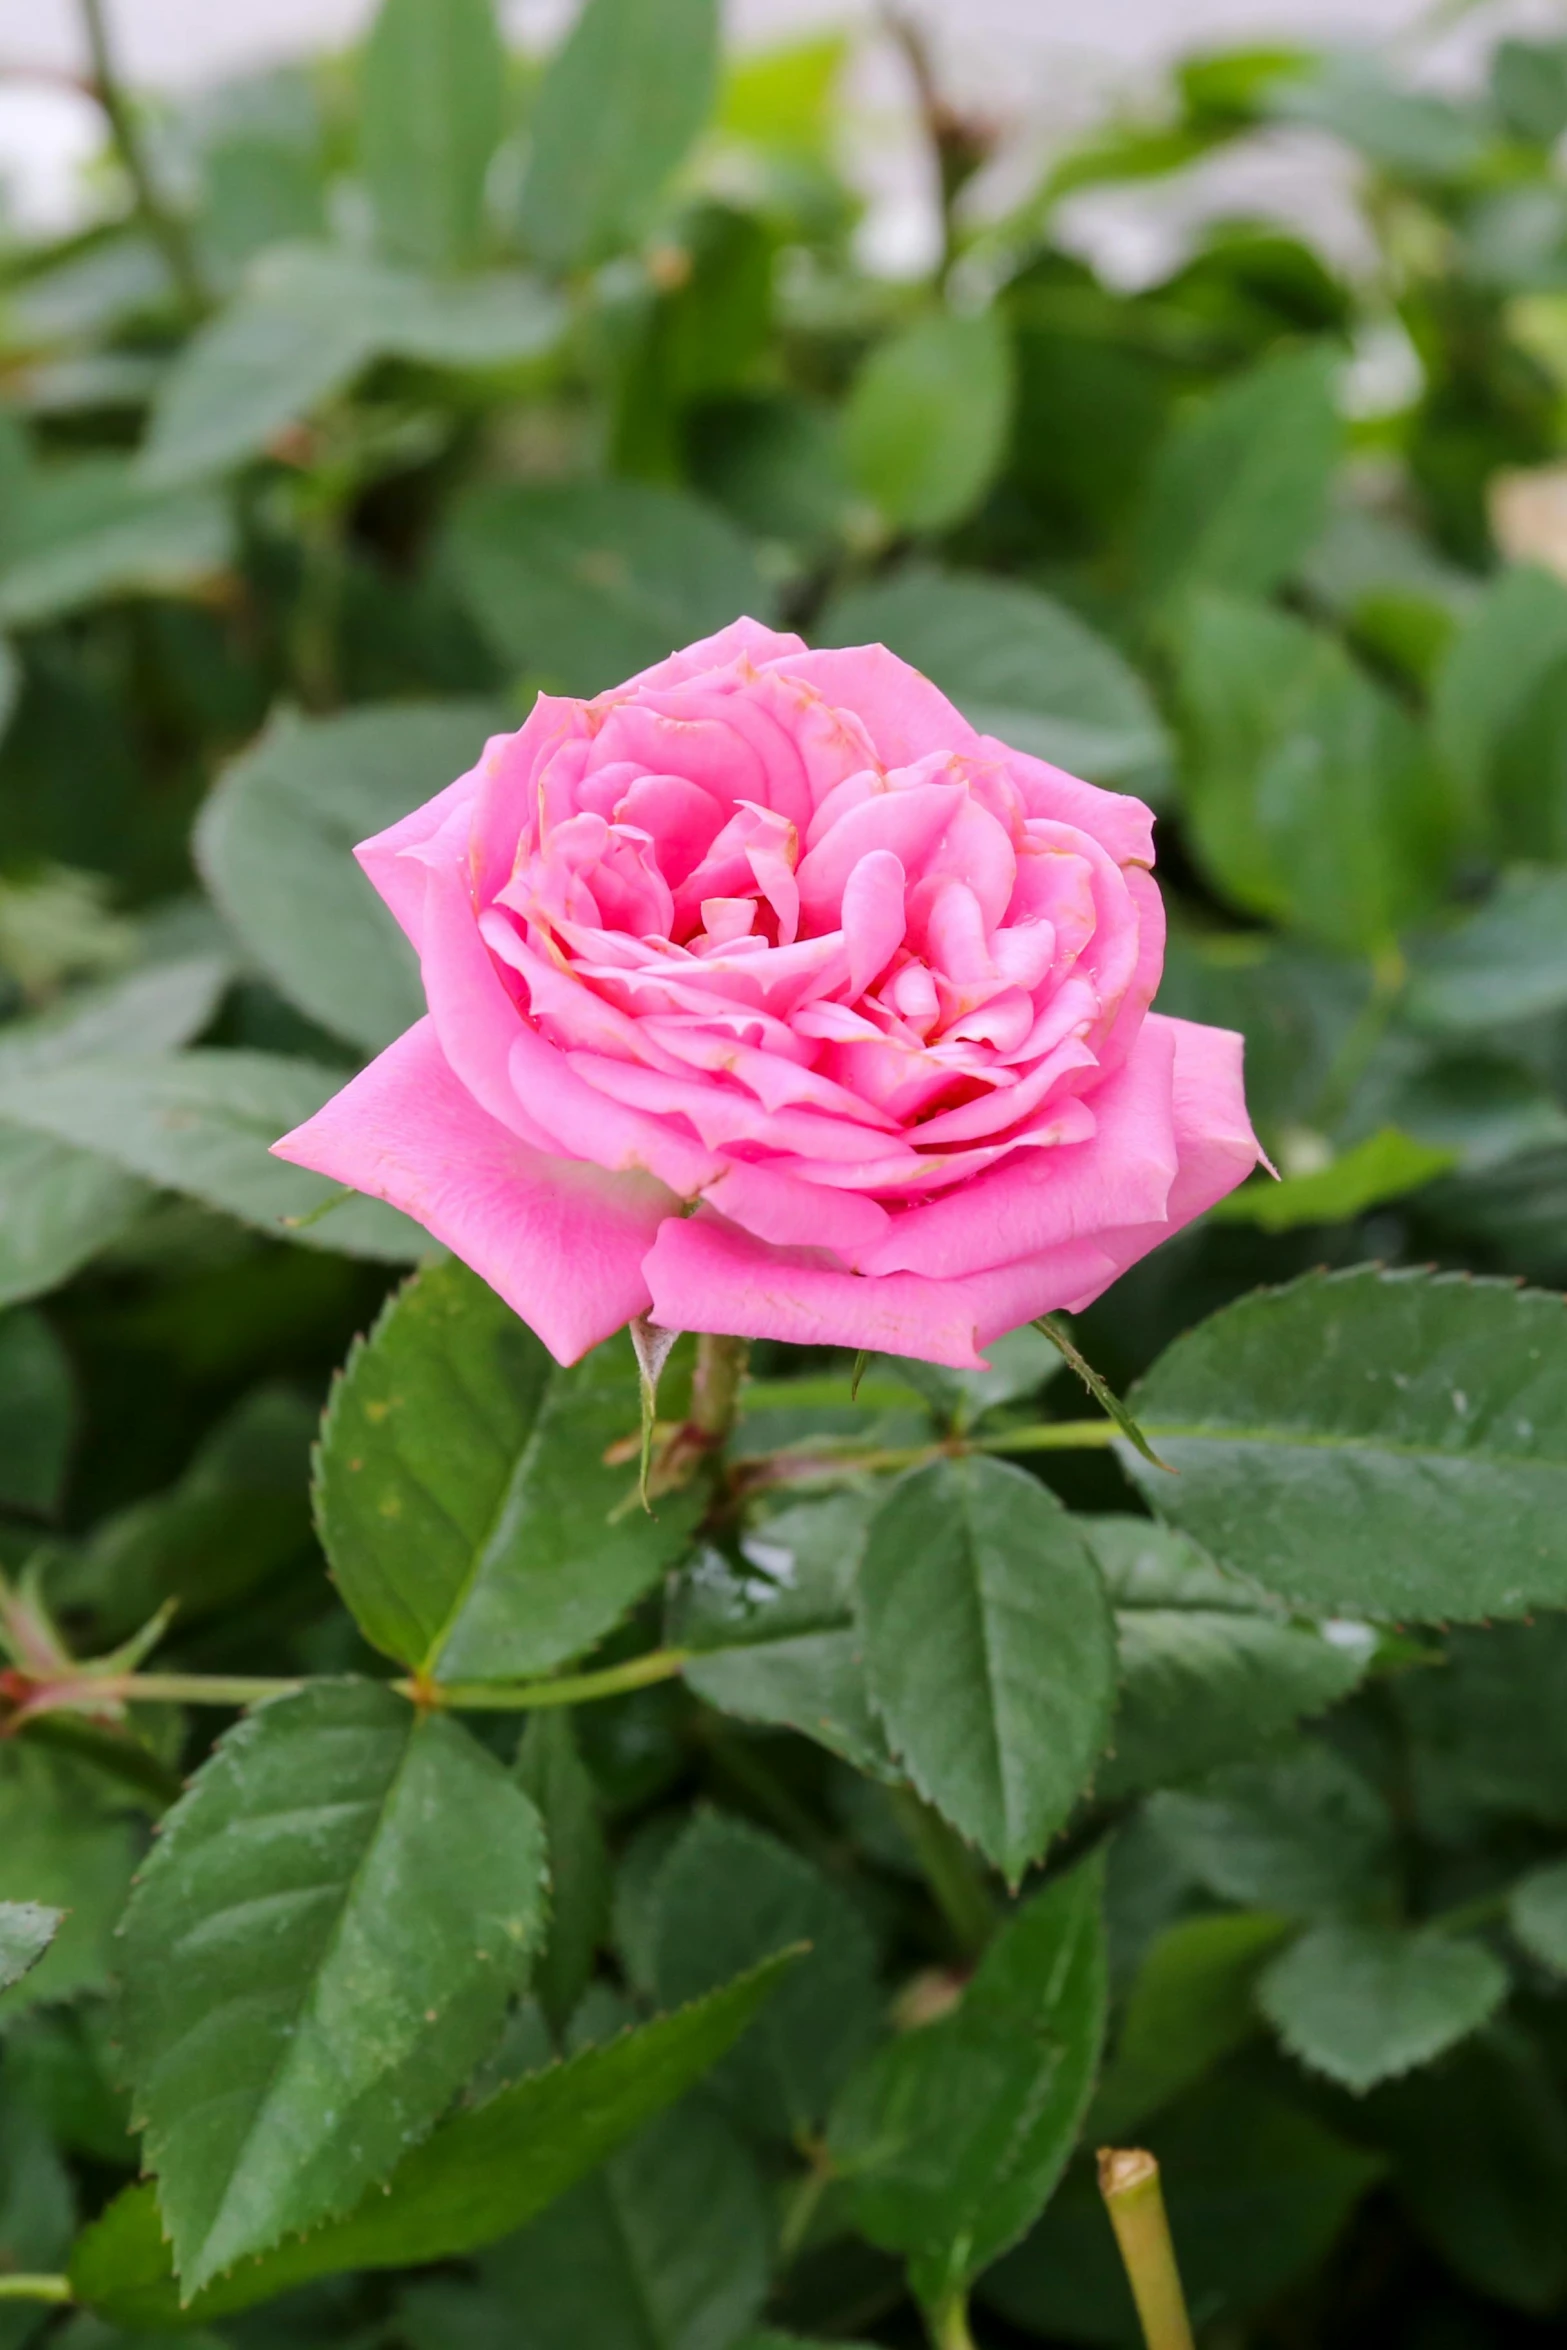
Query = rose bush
x=766 y=996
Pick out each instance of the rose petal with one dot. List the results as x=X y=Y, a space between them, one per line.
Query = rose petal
x=562 y=1243
x=705 y=1274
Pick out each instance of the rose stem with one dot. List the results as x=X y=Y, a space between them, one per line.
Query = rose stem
x=1129 y=2183
x=715 y=1390
x=163 y=226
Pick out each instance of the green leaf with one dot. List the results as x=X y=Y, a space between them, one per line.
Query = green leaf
x=462 y=1494
x=1364 y=2002
x=92 y=530
x=1190 y=2006
x=551 y=1773
x=725 y=1894
x=1240 y=489
x=1537 y=1914
x=202 y=1123
x=481 y=2173
x=925 y=427
x=275 y=839
x=432 y=110
x=1486 y=1732
x=1515 y=636
x=668 y=2243
x=1018 y=665
x=59 y=1207
x=26 y=1931
x=1211 y=1669
x=1386 y=1166
x=320 y=1950
x=582 y=584
x=1258 y=2192
x=307 y=322
x=1304 y=1834
x=1505 y=962
x=990 y=1650
x=63 y=1846
x=952 y=2137
x=1354 y=1440
x=36 y=2211
x=775 y=1634
x=1313 y=796
x=1479 y=2147
x=37 y=1412
x=622 y=100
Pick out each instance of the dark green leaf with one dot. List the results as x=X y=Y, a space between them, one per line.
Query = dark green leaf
x=1305 y=1834
x=622 y=100
x=37 y=1409
x=925 y=427
x=952 y=2137
x=668 y=2243
x=36 y=2211
x=26 y=1931
x=989 y=1648
x=203 y=1123
x=1211 y=1669
x=1486 y=1731
x=1190 y=2006
x=1479 y=2147
x=480 y=2174
x=92 y=530
x=275 y=842
x=1313 y=795
x=551 y=1773
x=1363 y=2002
x=1386 y=1166
x=63 y=1846
x=319 y=1952
x=775 y=1634
x=1537 y=1913
x=462 y=1493
x=582 y=584
x=1019 y=666
x=432 y=112
x=1240 y=490
x=726 y=1894
x=1353 y=1442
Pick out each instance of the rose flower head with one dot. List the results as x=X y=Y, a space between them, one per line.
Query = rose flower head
x=767 y=997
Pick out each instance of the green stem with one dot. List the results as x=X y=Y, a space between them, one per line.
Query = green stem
x=1129 y=2183
x=803 y=2205
x=193 y=1689
x=955 y=1879
x=1050 y=1436
x=949 y=2326
x=167 y=231
x=36 y=2288
x=638 y=1672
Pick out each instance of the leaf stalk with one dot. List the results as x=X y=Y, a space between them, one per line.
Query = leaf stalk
x=1134 y=2199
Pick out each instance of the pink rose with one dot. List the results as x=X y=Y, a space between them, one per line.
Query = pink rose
x=767 y=997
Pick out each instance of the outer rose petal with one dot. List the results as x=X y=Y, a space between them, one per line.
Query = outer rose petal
x=713 y=652
x=902 y=712
x=705 y=1274
x=399 y=880
x=562 y=1243
x=1213 y=1135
